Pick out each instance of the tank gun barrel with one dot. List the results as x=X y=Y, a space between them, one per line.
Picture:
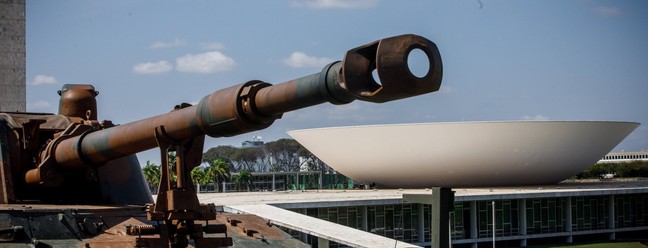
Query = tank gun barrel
x=255 y=105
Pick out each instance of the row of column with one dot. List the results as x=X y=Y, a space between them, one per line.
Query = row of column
x=522 y=220
x=319 y=181
x=474 y=232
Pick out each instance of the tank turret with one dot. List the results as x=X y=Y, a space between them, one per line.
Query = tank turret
x=72 y=158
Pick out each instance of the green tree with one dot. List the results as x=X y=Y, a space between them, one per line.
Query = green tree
x=152 y=174
x=280 y=155
x=199 y=177
x=313 y=162
x=244 y=178
x=220 y=152
x=172 y=161
x=597 y=171
x=284 y=152
x=632 y=169
x=219 y=171
x=623 y=169
x=246 y=158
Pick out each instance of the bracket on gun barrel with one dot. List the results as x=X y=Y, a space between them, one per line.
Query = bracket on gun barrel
x=177 y=208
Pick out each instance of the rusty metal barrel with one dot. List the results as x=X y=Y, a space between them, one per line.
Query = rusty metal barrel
x=255 y=105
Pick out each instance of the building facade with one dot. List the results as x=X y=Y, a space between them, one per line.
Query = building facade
x=621 y=157
x=519 y=219
x=281 y=181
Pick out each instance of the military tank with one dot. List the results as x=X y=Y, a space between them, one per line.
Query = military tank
x=69 y=179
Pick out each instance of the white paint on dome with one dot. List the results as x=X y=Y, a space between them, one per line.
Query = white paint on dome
x=464 y=154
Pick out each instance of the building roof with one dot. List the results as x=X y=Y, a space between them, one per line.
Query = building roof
x=317 y=227
x=339 y=198
x=623 y=156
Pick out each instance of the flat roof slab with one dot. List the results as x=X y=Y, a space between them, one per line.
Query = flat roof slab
x=350 y=198
x=316 y=227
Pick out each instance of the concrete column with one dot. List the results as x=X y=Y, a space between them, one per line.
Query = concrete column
x=320 y=181
x=611 y=217
x=442 y=202
x=224 y=188
x=494 y=222
x=304 y=236
x=12 y=56
x=365 y=221
x=522 y=224
x=568 y=220
x=273 y=182
x=421 y=223
x=474 y=231
x=297 y=186
x=322 y=243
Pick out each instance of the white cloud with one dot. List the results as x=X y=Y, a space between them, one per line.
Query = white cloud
x=43 y=79
x=607 y=11
x=208 y=62
x=300 y=60
x=335 y=4
x=40 y=105
x=446 y=89
x=537 y=117
x=168 y=44
x=152 y=67
x=213 y=46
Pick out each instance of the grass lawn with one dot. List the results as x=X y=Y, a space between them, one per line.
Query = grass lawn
x=597 y=245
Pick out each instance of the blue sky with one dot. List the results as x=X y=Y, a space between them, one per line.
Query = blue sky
x=503 y=60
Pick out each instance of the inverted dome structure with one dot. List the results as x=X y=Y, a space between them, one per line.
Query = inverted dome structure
x=464 y=154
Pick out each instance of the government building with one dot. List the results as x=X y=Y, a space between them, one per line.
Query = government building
x=510 y=217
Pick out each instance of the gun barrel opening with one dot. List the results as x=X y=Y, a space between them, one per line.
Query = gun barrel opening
x=388 y=69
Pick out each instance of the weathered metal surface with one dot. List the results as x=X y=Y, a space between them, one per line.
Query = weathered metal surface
x=72 y=158
x=253 y=231
x=78 y=101
x=255 y=105
x=177 y=211
x=62 y=225
x=389 y=57
x=104 y=227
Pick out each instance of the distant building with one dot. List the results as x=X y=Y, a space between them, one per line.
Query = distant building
x=255 y=142
x=282 y=181
x=522 y=216
x=621 y=157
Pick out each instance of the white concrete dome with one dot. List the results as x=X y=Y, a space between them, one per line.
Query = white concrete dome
x=464 y=154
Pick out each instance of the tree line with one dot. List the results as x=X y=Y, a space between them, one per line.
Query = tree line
x=626 y=169
x=221 y=162
x=281 y=155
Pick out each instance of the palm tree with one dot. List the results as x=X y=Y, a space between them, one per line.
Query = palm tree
x=218 y=170
x=172 y=161
x=244 y=177
x=198 y=177
x=152 y=174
